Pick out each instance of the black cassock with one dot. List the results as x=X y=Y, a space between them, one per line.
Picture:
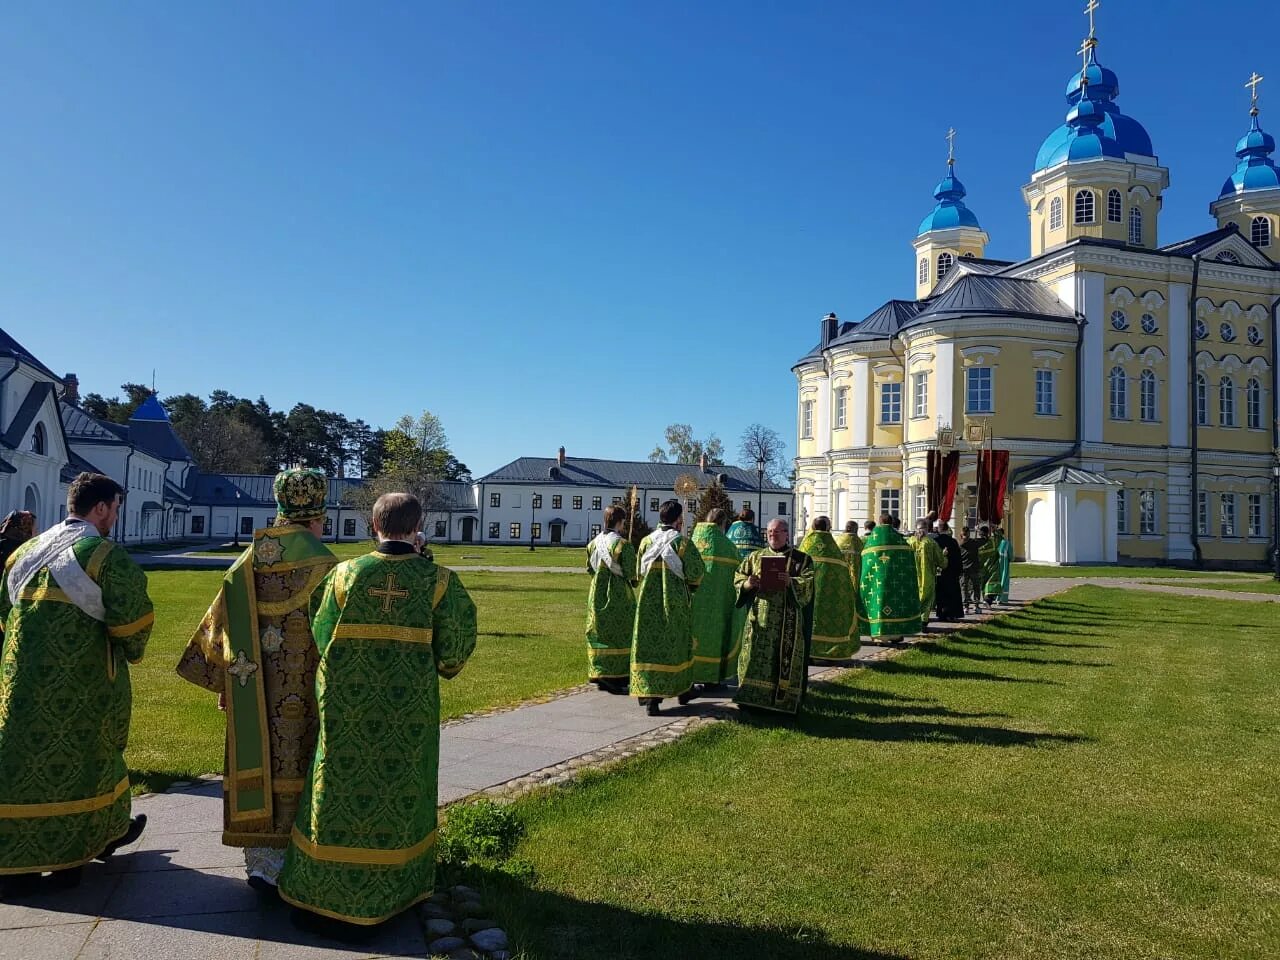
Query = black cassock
x=950 y=603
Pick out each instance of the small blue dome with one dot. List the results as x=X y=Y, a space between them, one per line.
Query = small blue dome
x=1255 y=170
x=1108 y=133
x=950 y=211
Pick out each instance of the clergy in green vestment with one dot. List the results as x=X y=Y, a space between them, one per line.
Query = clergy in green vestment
x=989 y=556
x=715 y=644
x=75 y=615
x=611 y=604
x=255 y=650
x=998 y=581
x=835 y=627
x=889 y=585
x=930 y=561
x=747 y=538
x=662 y=641
x=773 y=664
x=387 y=626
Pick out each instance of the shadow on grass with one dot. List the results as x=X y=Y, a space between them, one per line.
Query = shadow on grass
x=899 y=668
x=546 y=924
x=950 y=650
x=155 y=781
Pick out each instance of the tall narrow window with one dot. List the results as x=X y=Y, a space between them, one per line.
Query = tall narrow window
x=1122 y=511
x=1202 y=513
x=1135 y=226
x=37 y=440
x=1115 y=206
x=1055 y=213
x=1119 y=394
x=1255 y=515
x=1085 y=212
x=1260 y=232
x=945 y=262
x=1202 y=400
x=1148 y=408
x=891 y=403
x=1226 y=403
x=1046 y=400
x=1253 y=403
x=891 y=501
x=979 y=395
x=919 y=504
x=1228 y=508
x=1147 y=511
x=922 y=271
x=842 y=408
x=806 y=419
x=920 y=394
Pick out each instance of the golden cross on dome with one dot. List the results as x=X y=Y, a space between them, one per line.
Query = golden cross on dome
x=951 y=146
x=389 y=593
x=1252 y=84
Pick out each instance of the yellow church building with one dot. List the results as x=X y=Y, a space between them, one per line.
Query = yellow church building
x=1132 y=381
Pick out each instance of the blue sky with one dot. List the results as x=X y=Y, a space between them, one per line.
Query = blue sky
x=549 y=223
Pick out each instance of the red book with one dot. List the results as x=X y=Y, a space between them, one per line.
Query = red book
x=773 y=572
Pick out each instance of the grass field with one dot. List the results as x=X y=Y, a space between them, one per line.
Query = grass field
x=1091 y=778
x=530 y=643
x=1249 y=585
x=463 y=555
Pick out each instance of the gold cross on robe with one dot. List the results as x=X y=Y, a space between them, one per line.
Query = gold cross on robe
x=242 y=669
x=389 y=593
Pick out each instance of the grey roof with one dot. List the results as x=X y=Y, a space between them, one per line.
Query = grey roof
x=1202 y=242
x=31 y=404
x=158 y=438
x=983 y=296
x=256 y=489
x=75 y=466
x=585 y=472
x=85 y=428
x=10 y=347
x=175 y=492
x=1066 y=474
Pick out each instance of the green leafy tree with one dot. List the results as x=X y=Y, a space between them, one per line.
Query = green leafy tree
x=683 y=448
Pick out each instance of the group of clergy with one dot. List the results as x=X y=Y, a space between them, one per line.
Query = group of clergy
x=679 y=615
x=327 y=673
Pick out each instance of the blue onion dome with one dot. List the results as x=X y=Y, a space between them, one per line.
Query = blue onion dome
x=1255 y=170
x=950 y=211
x=1106 y=132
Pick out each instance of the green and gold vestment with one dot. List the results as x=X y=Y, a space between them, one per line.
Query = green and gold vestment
x=254 y=646
x=715 y=645
x=662 y=641
x=774 y=660
x=65 y=702
x=387 y=626
x=998 y=581
x=930 y=561
x=835 y=608
x=611 y=609
x=889 y=587
x=989 y=556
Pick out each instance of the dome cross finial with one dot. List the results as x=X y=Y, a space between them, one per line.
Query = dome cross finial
x=951 y=147
x=1090 y=7
x=1085 y=50
x=1252 y=84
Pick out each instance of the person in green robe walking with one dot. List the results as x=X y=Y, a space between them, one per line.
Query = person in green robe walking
x=998 y=582
x=611 y=604
x=930 y=561
x=835 y=627
x=662 y=642
x=850 y=545
x=989 y=555
x=75 y=615
x=889 y=585
x=715 y=644
x=387 y=625
x=254 y=649
x=773 y=665
x=744 y=533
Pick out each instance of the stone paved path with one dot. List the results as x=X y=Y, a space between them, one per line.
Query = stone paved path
x=178 y=893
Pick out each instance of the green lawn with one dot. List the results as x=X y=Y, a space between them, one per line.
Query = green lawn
x=530 y=643
x=1252 y=585
x=1149 y=573
x=462 y=555
x=1093 y=777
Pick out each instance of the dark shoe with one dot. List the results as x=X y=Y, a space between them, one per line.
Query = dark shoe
x=264 y=888
x=19 y=885
x=616 y=687
x=685 y=697
x=136 y=826
x=330 y=928
x=651 y=706
x=67 y=879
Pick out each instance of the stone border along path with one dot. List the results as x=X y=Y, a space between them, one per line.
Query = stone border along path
x=178 y=893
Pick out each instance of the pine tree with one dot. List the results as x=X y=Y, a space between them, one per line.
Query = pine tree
x=711 y=498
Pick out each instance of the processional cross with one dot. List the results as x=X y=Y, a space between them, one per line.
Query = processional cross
x=389 y=593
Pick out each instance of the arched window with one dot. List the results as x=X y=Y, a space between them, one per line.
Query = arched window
x=1085 y=212
x=1226 y=256
x=1149 y=410
x=1253 y=403
x=1135 y=226
x=945 y=262
x=37 y=439
x=1202 y=400
x=1226 y=403
x=1119 y=394
x=1260 y=232
x=1055 y=213
x=1115 y=206
x=922 y=271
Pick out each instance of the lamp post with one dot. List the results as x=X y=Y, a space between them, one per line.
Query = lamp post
x=237 y=527
x=760 y=488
